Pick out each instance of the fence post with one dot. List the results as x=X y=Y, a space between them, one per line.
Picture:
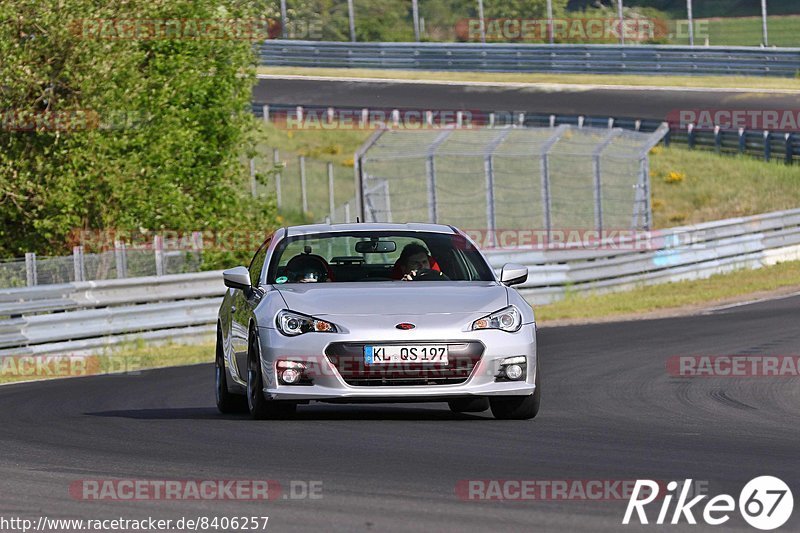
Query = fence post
x=764 y=22
x=351 y=16
x=789 y=140
x=158 y=254
x=347 y=212
x=691 y=21
x=482 y=23
x=253 y=184
x=283 y=19
x=78 y=264
x=621 y=22
x=32 y=278
x=331 y=200
x=303 y=192
x=276 y=159
x=121 y=257
x=415 y=16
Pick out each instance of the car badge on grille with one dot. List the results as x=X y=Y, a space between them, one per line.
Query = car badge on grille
x=405 y=325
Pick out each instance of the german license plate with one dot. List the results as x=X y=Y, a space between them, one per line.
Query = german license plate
x=406 y=353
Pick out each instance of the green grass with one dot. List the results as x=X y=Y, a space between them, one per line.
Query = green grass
x=744 y=82
x=129 y=358
x=743 y=31
x=715 y=289
x=718 y=186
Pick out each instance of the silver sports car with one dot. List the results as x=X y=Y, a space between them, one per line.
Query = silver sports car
x=375 y=313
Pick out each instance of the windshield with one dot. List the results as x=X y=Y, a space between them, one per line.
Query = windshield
x=376 y=256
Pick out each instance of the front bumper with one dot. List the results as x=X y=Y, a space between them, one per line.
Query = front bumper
x=328 y=383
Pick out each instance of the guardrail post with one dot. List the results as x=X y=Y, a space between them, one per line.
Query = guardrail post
x=121 y=258
x=767 y=146
x=30 y=270
x=742 y=141
x=789 y=140
x=717 y=139
x=276 y=159
x=158 y=254
x=303 y=192
x=331 y=201
x=253 y=184
x=491 y=120
x=690 y=134
x=78 y=264
x=266 y=113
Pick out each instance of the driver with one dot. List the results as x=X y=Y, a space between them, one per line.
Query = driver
x=413 y=259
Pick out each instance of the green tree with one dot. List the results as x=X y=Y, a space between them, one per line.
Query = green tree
x=167 y=121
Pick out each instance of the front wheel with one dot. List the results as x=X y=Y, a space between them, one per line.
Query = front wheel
x=261 y=408
x=227 y=402
x=518 y=407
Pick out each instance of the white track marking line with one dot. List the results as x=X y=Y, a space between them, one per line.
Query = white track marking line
x=552 y=87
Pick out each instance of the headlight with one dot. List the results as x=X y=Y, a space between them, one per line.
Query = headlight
x=508 y=319
x=292 y=324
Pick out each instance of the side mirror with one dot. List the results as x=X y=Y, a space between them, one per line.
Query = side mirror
x=513 y=274
x=237 y=278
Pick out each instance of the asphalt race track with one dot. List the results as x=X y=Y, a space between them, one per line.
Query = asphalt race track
x=610 y=412
x=630 y=103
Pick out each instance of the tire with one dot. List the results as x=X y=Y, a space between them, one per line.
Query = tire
x=518 y=407
x=227 y=402
x=469 y=405
x=260 y=408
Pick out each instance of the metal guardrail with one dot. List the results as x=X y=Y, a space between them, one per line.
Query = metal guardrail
x=688 y=252
x=90 y=315
x=767 y=145
x=561 y=58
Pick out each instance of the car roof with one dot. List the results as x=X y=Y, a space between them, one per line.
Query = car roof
x=370 y=226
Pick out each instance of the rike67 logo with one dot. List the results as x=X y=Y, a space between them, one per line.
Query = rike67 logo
x=765 y=503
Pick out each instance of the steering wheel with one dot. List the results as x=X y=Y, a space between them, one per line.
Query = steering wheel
x=429 y=274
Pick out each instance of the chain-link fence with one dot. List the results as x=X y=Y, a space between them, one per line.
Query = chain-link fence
x=113 y=264
x=510 y=178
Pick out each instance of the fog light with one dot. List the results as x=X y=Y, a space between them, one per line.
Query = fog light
x=513 y=372
x=290 y=376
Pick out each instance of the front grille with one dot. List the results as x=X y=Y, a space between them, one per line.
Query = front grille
x=348 y=358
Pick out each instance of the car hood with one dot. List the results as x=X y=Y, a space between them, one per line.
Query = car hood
x=394 y=298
